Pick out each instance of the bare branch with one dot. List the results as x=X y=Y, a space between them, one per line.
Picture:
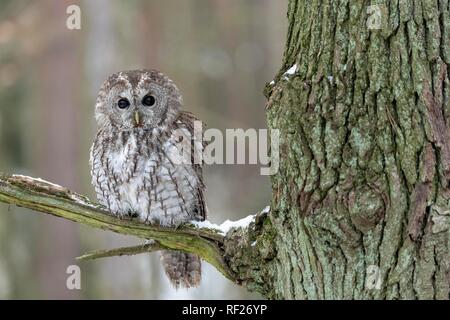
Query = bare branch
x=125 y=251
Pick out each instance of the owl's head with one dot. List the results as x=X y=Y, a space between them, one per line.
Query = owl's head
x=137 y=99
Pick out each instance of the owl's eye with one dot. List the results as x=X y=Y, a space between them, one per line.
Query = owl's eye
x=148 y=100
x=123 y=103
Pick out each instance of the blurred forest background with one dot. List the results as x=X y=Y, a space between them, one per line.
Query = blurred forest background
x=220 y=53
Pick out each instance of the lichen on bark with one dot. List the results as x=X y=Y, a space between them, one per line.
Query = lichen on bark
x=364 y=151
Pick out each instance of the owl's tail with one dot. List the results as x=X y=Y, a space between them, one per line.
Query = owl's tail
x=183 y=269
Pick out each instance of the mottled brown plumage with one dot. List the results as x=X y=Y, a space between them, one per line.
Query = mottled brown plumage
x=139 y=160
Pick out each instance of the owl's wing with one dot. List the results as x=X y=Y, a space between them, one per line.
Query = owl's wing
x=187 y=120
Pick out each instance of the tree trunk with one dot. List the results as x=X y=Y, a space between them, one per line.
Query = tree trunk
x=360 y=203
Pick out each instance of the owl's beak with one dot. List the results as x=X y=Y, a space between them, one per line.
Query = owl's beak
x=137 y=118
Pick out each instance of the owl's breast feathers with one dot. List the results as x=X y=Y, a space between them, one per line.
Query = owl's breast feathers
x=155 y=174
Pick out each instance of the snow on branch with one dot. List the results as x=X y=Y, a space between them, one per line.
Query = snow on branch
x=203 y=239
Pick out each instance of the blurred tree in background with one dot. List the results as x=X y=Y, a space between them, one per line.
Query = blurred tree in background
x=220 y=53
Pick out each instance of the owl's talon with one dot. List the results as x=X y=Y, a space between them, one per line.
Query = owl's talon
x=178 y=226
x=133 y=214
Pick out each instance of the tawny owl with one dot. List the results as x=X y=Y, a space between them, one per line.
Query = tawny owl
x=139 y=163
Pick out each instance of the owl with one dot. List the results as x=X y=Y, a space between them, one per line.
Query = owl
x=143 y=159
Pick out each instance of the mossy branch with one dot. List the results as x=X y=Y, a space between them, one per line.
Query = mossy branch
x=124 y=251
x=43 y=196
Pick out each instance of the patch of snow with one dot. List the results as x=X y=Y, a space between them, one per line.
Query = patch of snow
x=330 y=78
x=272 y=82
x=227 y=225
x=243 y=223
x=266 y=209
x=57 y=186
x=49 y=183
x=291 y=70
x=205 y=224
x=81 y=200
x=21 y=176
x=254 y=243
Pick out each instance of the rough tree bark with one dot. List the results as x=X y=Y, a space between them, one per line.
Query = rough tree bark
x=363 y=186
x=361 y=201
